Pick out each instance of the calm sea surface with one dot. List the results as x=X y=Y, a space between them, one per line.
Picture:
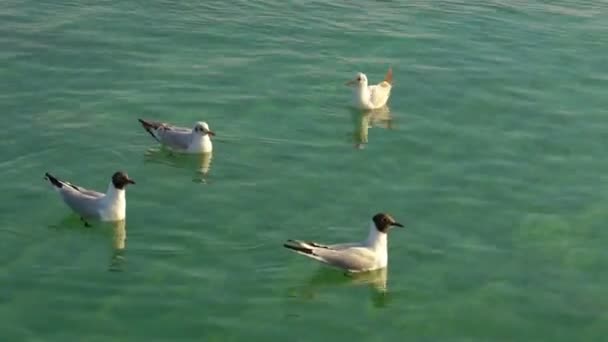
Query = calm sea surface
x=493 y=154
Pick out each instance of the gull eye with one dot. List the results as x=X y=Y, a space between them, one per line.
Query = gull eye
x=359 y=79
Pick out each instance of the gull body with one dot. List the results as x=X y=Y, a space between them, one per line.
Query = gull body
x=375 y=96
x=180 y=139
x=90 y=204
x=368 y=255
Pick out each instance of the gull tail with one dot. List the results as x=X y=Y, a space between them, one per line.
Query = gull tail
x=389 y=76
x=308 y=249
x=149 y=126
x=300 y=247
x=56 y=182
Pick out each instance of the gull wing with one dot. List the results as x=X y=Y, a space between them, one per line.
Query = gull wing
x=352 y=257
x=380 y=92
x=178 y=138
x=83 y=204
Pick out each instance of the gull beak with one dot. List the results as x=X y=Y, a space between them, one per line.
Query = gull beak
x=351 y=83
x=397 y=224
x=130 y=181
x=211 y=133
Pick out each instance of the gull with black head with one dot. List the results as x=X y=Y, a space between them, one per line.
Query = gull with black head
x=90 y=204
x=368 y=255
x=186 y=140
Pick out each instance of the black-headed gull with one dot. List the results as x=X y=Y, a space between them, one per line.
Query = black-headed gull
x=90 y=204
x=371 y=96
x=179 y=139
x=369 y=255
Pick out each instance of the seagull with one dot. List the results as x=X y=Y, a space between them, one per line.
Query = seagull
x=195 y=140
x=371 y=97
x=369 y=255
x=90 y=204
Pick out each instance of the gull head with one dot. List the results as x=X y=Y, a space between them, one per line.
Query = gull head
x=121 y=180
x=384 y=222
x=359 y=81
x=202 y=128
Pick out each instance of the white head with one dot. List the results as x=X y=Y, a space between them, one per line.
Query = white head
x=202 y=128
x=359 y=81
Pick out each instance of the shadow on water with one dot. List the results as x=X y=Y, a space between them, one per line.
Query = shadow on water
x=118 y=231
x=364 y=120
x=199 y=163
x=326 y=277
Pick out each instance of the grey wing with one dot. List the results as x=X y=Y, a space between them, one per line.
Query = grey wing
x=175 y=137
x=84 y=191
x=91 y=193
x=340 y=246
x=353 y=259
x=83 y=204
x=180 y=129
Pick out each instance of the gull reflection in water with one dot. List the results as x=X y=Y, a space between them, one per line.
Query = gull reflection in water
x=364 y=120
x=117 y=230
x=199 y=163
x=119 y=243
x=328 y=277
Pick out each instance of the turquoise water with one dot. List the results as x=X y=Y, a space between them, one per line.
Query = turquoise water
x=492 y=154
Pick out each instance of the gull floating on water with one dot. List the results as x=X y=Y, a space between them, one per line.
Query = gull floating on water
x=369 y=255
x=371 y=96
x=110 y=206
x=195 y=140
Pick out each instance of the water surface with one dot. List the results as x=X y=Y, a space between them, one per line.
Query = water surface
x=493 y=156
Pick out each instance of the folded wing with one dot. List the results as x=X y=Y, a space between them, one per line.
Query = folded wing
x=84 y=204
x=171 y=136
x=354 y=259
x=380 y=94
x=83 y=201
x=382 y=91
x=351 y=257
x=178 y=139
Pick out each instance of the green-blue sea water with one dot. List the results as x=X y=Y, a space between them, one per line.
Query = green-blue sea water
x=493 y=154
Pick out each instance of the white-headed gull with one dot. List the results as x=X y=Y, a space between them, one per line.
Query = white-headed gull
x=110 y=206
x=179 y=139
x=371 y=96
x=369 y=255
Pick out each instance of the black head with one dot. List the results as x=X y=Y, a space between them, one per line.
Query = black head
x=384 y=222
x=121 y=179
